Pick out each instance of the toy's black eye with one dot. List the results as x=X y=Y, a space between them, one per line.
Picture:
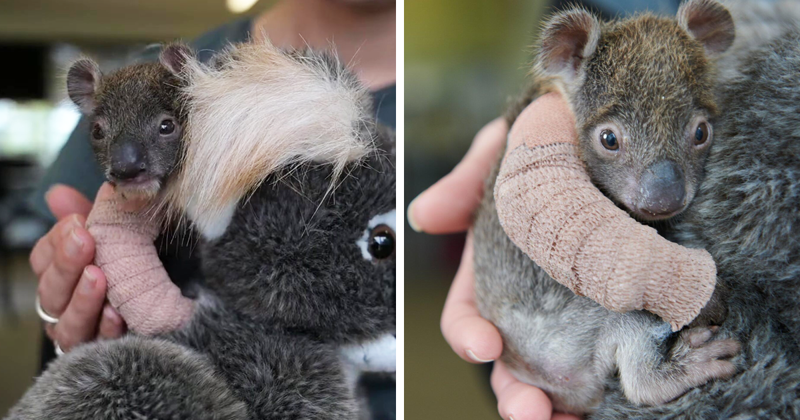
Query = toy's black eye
x=166 y=127
x=97 y=132
x=609 y=140
x=701 y=134
x=381 y=242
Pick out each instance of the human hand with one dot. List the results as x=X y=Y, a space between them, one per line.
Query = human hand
x=70 y=288
x=448 y=207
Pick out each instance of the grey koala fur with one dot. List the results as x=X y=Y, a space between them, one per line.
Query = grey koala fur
x=286 y=286
x=744 y=214
x=569 y=345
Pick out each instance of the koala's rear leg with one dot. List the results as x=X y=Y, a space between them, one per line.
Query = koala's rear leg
x=652 y=375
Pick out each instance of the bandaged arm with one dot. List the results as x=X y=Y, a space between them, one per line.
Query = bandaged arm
x=550 y=209
x=138 y=285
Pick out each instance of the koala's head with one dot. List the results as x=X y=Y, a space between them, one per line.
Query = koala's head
x=301 y=257
x=135 y=118
x=642 y=90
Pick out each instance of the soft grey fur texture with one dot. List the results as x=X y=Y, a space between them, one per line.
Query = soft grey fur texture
x=744 y=214
x=286 y=286
x=758 y=23
x=125 y=375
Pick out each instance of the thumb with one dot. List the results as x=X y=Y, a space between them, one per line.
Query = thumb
x=64 y=201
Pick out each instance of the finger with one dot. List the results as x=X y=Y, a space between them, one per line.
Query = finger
x=471 y=336
x=50 y=330
x=111 y=324
x=42 y=254
x=71 y=255
x=517 y=400
x=448 y=205
x=79 y=322
x=64 y=201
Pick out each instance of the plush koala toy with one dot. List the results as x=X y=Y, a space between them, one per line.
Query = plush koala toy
x=298 y=257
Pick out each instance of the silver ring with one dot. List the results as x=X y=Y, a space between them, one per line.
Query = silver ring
x=44 y=315
x=59 y=352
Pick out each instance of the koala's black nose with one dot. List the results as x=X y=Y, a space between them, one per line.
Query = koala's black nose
x=663 y=188
x=127 y=162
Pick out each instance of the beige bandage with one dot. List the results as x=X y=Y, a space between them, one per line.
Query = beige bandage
x=549 y=208
x=138 y=285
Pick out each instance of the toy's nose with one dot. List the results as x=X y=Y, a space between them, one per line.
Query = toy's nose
x=663 y=187
x=127 y=162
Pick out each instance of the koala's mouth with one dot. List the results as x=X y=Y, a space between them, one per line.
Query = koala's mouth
x=143 y=184
x=649 y=216
x=640 y=211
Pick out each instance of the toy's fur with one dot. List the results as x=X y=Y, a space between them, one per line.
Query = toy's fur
x=287 y=287
x=652 y=76
x=256 y=109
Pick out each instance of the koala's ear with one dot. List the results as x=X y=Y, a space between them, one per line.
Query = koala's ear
x=709 y=22
x=174 y=57
x=83 y=78
x=567 y=38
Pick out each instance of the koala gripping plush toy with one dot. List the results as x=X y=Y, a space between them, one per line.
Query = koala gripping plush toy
x=292 y=185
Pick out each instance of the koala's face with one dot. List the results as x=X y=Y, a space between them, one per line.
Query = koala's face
x=646 y=121
x=300 y=257
x=135 y=118
x=136 y=127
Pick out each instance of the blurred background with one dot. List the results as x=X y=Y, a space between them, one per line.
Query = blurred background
x=38 y=41
x=463 y=60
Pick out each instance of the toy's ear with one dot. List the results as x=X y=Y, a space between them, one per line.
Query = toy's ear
x=82 y=82
x=567 y=38
x=174 y=57
x=709 y=22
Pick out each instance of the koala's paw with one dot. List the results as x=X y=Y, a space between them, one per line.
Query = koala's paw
x=694 y=360
x=702 y=358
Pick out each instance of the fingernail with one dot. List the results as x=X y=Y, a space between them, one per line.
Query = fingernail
x=111 y=315
x=510 y=417
x=89 y=281
x=410 y=216
x=47 y=193
x=76 y=220
x=74 y=244
x=472 y=356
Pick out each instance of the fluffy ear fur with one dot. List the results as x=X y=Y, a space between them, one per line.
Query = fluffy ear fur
x=567 y=38
x=257 y=109
x=709 y=22
x=83 y=79
x=174 y=56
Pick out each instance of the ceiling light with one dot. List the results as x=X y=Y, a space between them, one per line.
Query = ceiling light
x=240 y=6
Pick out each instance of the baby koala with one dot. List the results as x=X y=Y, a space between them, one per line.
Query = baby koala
x=137 y=127
x=136 y=119
x=642 y=93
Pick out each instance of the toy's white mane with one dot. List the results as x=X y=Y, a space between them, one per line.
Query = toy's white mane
x=256 y=109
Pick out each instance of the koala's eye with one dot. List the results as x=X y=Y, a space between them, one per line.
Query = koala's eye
x=701 y=133
x=97 y=132
x=609 y=140
x=166 y=127
x=381 y=242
